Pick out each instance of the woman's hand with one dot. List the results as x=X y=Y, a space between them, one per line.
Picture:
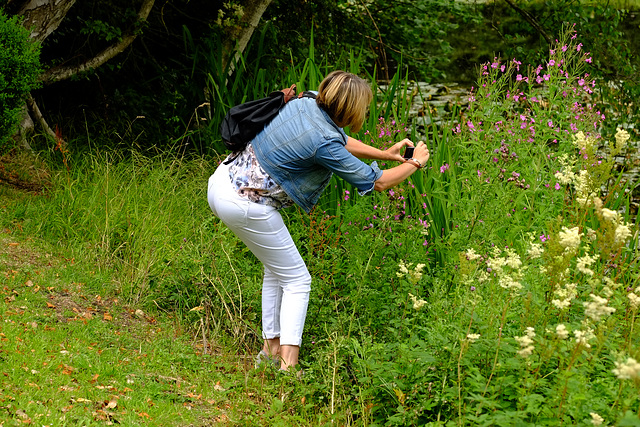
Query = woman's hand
x=395 y=151
x=421 y=153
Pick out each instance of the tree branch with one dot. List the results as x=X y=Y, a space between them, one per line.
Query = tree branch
x=531 y=20
x=62 y=73
x=37 y=114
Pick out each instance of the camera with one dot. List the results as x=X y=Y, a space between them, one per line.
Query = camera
x=408 y=153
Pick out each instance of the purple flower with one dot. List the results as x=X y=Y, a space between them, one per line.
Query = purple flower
x=444 y=168
x=557 y=186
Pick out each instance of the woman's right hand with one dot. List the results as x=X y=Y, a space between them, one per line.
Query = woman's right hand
x=421 y=153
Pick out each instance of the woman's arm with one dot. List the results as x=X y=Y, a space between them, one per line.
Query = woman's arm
x=364 y=151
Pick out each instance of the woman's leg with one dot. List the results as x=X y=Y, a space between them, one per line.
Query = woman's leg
x=287 y=282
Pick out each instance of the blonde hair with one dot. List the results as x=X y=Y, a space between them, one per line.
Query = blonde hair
x=345 y=97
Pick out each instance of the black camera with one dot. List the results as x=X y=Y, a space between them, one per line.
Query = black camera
x=408 y=153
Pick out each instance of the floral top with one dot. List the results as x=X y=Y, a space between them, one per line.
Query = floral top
x=253 y=183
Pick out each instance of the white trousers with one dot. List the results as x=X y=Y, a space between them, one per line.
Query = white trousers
x=287 y=282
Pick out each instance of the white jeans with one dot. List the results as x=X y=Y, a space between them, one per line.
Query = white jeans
x=287 y=282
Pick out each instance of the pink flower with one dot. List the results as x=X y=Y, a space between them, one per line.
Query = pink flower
x=579 y=47
x=557 y=186
x=552 y=63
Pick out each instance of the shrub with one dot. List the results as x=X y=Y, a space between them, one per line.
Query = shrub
x=19 y=69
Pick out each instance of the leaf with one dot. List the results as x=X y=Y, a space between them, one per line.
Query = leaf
x=107 y=316
x=49 y=305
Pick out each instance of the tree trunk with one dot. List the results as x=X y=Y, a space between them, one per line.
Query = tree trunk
x=237 y=37
x=42 y=17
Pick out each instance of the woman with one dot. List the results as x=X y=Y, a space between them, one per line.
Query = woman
x=291 y=162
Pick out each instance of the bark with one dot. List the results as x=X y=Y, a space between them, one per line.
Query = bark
x=42 y=17
x=237 y=37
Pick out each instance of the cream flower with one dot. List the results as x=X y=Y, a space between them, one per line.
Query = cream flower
x=596 y=419
x=471 y=254
x=634 y=301
x=570 y=238
x=630 y=369
x=562 y=332
x=609 y=215
x=597 y=308
x=526 y=342
x=535 y=250
x=622 y=233
x=417 y=303
x=584 y=262
x=473 y=337
x=583 y=337
x=622 y=136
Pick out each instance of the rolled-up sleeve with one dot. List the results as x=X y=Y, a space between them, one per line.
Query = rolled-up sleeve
x=335 y=157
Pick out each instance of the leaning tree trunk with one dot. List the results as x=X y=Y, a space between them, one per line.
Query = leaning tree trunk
x=237 y=37
x=42 y=17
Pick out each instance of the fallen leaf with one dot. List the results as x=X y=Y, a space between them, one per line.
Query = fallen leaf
x=198 y=308
x=112 y=404
x=14 y=244
x=49 y=305
x=139 y=313
x=29 y=283
x=94 y=378
x=107 y=316
x=82 y=400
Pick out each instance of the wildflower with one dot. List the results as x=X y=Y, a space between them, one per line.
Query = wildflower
x=417 y=303
x=570 y=238
x=513 y=259
x=622 y=233
x=444 y=168
x=473 y=337
x=596 y=419
x=403 y=270
x=597 y=308
x=472 y=255
x=508 y=282
x=583 y=337
x=562 y=332
x=622 y=136
x=526 y=342
x=634 y=301
x=535 y=250
x=630 y=369
x=564 y=296
x=609 y=215
x=584 y=262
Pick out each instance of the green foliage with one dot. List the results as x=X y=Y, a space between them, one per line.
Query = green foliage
x=498 y=287
x=19 y=70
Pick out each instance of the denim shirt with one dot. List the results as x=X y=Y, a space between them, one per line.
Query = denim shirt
x=302 y=148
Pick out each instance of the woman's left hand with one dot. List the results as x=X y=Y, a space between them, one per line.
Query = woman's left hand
x=396 y=150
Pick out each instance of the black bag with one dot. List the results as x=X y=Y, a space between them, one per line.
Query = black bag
x=243 y=122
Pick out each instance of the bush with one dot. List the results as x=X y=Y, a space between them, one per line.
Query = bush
x=19 y=69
